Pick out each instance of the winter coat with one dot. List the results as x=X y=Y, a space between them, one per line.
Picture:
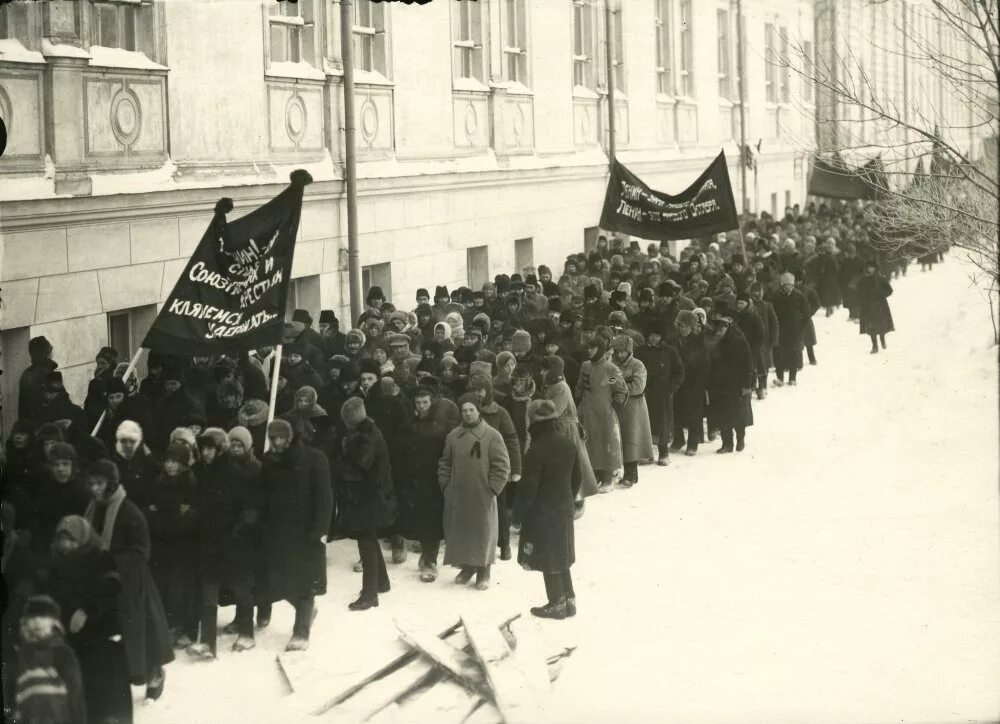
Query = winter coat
x=633 y=416
x=852 y=268
x=419 y=498
x=809 y=331
x=143 y=621
x=30 y=396
x=826 y=272
x=792 y=311
x=873 y=305
x=60 y=408
x=298 y=503
x=569 y=426
x=544 y=504
x=228 y=501
x=136 y=408
x=174 y=545
x=599 y=382
x=96 y=399
x=48 y=503
x=732 y=371
x=751 y=325
x=664 y=374
x=368 y=498
x=137 y=474
x=167 y=416
x=772 y=330
x=49 y=684
x=472 y=472
x=499 y=419
x=689 y=400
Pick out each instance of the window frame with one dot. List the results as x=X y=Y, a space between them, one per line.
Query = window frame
x=770 y=81
x=295 y=25
x=468 y=50
x=685 y=31
x=585 y=31
x=376 y=35
x=127 y=13
x=663 y=38
x=724 y=47
x=516 y=52
x=618 y=62
x=809 y=61
x=784 y=72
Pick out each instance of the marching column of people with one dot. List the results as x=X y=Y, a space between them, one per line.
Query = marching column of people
x=477 y=415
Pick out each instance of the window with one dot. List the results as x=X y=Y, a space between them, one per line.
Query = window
x=478 y=265
x=788 y=199
x=126 y=330
x=590 y=235
x=370 y=37
x=774 y=206
x=687 y=50
x=786 y=96
x=618 y=64
x=723 y=54
x=303 y=293
x=292 y=32
x=377 y=275
x=809 y=69
x=524 y=254
x=515 y=41
x=583 y=43
x=467 y=34
x=664 y=48
x=114 y=24
x=14 y=22
x=770 y=71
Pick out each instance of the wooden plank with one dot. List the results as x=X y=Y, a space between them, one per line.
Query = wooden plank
x=446 y=702
x=456 y=663
x=517 y=691
x=384 y=692
x=485 y=713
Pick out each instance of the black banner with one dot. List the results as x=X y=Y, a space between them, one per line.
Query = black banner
x=705 y=207
x=231 y=296
x=834 y=179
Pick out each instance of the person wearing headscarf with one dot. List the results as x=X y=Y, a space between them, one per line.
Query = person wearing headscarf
x=137 y=467
x=599 y=388
x=59 y=492
x=122 y=531
x=104 y=368
x=472 y=472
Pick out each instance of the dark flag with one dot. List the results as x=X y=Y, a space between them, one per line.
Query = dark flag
x=705 y=207
x=231 y=296
x=834 y=179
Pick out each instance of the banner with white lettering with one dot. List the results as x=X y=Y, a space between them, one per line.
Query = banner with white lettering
x=231 y=296
x=706 y=207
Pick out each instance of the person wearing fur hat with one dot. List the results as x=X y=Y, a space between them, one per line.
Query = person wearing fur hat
x=473 y=349
x=104 y=369
x=548 y=287
x=121 y=405
x=599 y=387
x=49 y=685
x=329 y=329
x=664 y=375
x=505 y=366
x=544 y=508
x=298 y=503
x=137 y=467
x=472 y=472
x=633 y=416
x=689 y=399
x=253 y=416
x=30 y=386
x=792 y=311
x=85 y=584
x=771 y=335
x=56 y=405
x=122 y=530
x=730 y=382
x=228 y=400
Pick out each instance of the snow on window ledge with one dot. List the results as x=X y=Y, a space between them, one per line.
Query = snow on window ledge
x=11 y=51
x=518 y=89
x=58 y=50
x=118 y=58
x=580 y=91
x=301 y=70
x=472 y=85
x=370 y=77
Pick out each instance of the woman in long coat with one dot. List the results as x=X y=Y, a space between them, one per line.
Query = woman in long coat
x=558 y=392
x=297 y=498
x=729 y=384
x=637 y=437
x=792 y=309
x=689 y=400
x=472 y=472
x=664 y=374
x=369 y=497
x=550 y=481
x=600 y=380
x=121 y=529
x=873 y=291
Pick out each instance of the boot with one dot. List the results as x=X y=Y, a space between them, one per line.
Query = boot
x=201 y=651
x=712 y=435
x=663 y=462
x=874 y=349
x=691 y=452
x=779 y=383
x=398 y=554
x=605 y=487
x=230 y=629
x=182 y=642
x=428 y=572
x=358 y=567
x=384 y=586
x=570 y=606
x=465 y=575
x=793 y=382
x=364 y=603
x=263 y=620
x=551 y=610
x=154 y=688
x=724 y=449
x=505 y=553
x=882 y=340
x=244 y=643
x=483 y=578
x=740 y=445
x=297 y=643
x=761 y=394
x=677 y=446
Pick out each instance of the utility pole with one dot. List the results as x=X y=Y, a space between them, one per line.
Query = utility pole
x=350 y=163
x=742 y=83
x=609 y=34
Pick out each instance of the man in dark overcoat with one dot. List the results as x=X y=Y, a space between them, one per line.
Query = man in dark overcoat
x=730 y=383
x=665 y=373
x=792 y=310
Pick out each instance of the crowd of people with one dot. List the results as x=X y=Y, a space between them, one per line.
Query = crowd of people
x=452 y=419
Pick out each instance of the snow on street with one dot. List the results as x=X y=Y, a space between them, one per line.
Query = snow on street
x=843 y=568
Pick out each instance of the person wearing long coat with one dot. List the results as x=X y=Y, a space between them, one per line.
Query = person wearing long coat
x=809 y=331
x=873 y=292
x=633 y=416
x=826 y=273
x=472 y=472
x=122 y=530
x=550 y=482
x=599 y=385
x=729 y=384
x=851 y=270
x=772 y=331
x=689 y=400
x=792 y=310
x=370 y=498
x=558 y=392
x=298 y=500
x=664 y=374
x=747 y=318
x=421 y=503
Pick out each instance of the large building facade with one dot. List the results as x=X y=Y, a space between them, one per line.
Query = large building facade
x=481 y=136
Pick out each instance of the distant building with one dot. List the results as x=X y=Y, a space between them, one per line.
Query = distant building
x=481 y=139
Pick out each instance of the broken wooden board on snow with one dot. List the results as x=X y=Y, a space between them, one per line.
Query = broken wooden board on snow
x=519 y=689
x=455 y=662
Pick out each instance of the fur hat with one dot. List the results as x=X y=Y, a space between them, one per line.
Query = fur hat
x=626 y=287
x=77 y=528
x=541 y=410
x=521 y=342
x=242 y=435
x=554 y=365
x=301 y=315
x=49 y=431
x=184 y=435
x=441 y=292
x=353 y=411
x=422 y=293
x=618 y=319
x=178 y=452
x=480 y=368
x=129 y=430
x=214 y=437
x=373 y=294
x=355 y=335
x=327 y=316
x=42 y=607
x=591 y=292
x=279 y=428
x=369 y=366
x=54 y=381
x=107 y=470
x=471 y=398
x=39 y=346
x=109 y=355
x=398 y=340
x=61 y=451
x=622 y=343
x=786 y=278
x=503 y=358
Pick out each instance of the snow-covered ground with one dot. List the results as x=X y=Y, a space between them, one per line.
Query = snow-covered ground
x=844 y=568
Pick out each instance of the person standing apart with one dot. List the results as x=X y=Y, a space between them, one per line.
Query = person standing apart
x=792 y=310
x=873 y=292
x=472 y=472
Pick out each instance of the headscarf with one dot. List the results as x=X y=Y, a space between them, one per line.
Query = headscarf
x=79 y=529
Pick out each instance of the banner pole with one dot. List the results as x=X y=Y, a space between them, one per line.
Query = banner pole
x=274 y=394
x=609 y=52
x=128 y=373
x=350 y=173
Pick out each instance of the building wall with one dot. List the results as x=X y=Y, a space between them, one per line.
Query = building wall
x=84 y=237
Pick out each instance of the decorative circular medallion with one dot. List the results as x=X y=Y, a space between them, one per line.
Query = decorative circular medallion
x=585 y=126
x=517 y=121
x=126 y=117
x=471 y=122
x=295 y=118
x=369 y=121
